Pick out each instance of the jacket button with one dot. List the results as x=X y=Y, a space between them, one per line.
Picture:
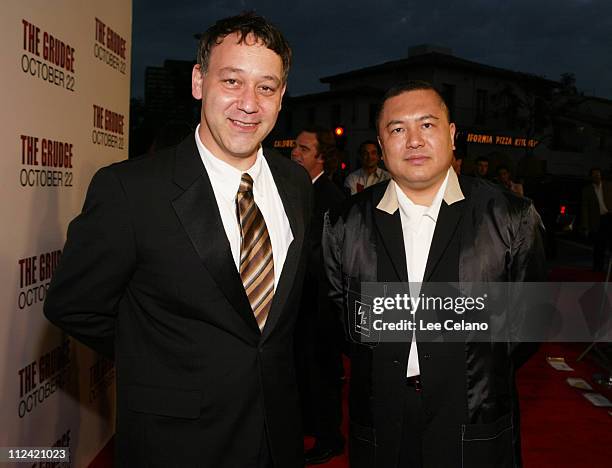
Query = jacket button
x=396 y=362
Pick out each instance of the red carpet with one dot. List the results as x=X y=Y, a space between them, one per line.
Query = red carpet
x=560 y=427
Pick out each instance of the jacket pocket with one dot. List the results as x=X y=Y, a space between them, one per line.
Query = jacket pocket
x=488 y=445
x=359 y=314
x=164 y=401
x=362 y=446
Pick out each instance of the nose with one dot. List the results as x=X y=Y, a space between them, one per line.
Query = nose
x=248 y=100
x=414 y=139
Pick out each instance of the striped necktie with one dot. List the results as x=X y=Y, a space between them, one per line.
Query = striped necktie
x=256 y=261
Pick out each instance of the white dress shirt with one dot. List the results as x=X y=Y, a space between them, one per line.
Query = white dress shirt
x=418 y=226
x=603 y=209
x=317 y=177
x=225 y=180
x=358 y=180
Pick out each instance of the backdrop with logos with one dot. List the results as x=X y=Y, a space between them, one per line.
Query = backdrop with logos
x=65 y=87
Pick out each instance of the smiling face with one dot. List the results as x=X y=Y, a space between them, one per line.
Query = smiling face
x=417 y=142
x=241 y=93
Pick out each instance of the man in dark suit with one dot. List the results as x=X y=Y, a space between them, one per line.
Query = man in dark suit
x=187 y=265
x=420 y=403
x=318 y=333
x=597 y=215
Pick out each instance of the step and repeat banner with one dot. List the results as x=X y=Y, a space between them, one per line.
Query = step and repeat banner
x=65 y=86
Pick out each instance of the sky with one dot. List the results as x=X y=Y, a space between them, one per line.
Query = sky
x=542 y=37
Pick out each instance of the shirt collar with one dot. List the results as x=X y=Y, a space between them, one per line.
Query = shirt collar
x=450 y=188
x=225 y=177
x=377 y=173
x=317 y=177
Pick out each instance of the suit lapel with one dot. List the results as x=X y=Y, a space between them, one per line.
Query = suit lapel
x=446 y=227
x=291 y=203
x=199 y=214
x=391 y=236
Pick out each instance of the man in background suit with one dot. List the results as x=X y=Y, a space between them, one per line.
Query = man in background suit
x=318 y=333
x=420 y=403
x=597 y=215
x=187 y=265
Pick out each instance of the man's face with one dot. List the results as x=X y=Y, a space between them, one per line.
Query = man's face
x=457 y=162
x=416 y=139
x=596 y=176
x=482 y=167
x=241 y=96
x=369 y=156
x=503 y=175
x=306 y=153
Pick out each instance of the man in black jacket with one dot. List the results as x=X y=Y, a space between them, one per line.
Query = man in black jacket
x=419 y=403
x=187 y=265
x=318 y=332
x=597 y=215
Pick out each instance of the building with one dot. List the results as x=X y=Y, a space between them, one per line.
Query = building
x=529 y=123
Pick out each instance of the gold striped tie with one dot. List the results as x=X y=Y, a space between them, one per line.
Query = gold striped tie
x=256 y=261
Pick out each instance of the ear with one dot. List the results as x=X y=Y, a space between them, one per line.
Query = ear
x=382 y=148
x=280 y=104
x=452 y=130
x=197 y=77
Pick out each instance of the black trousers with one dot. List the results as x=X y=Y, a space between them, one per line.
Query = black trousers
x=601 y=239
x=265 y=457
x=410 y=455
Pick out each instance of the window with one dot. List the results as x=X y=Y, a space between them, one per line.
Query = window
x=568 y=136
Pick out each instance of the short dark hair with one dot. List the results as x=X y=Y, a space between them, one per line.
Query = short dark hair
x=368 y=142
x=326 y=143
x=405 y=87
x=245 y=24
x=482 y=159
x=502 y=167
x=593 y=169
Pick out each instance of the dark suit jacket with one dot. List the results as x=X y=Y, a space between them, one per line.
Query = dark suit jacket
x=590 y=205
x=469 y=397
x=147 y=275
x=318 y=333
x=327 y=195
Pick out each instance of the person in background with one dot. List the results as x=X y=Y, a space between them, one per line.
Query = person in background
x=457 y=162
x=481 y=168
x=318 y=332
x=369 y=174
x=505 y=178
x=597 y=215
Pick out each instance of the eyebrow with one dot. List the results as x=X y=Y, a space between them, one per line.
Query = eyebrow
x=240 y=70
x=418 y=119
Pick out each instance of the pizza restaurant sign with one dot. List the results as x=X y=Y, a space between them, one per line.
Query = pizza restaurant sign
x=501 y=140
